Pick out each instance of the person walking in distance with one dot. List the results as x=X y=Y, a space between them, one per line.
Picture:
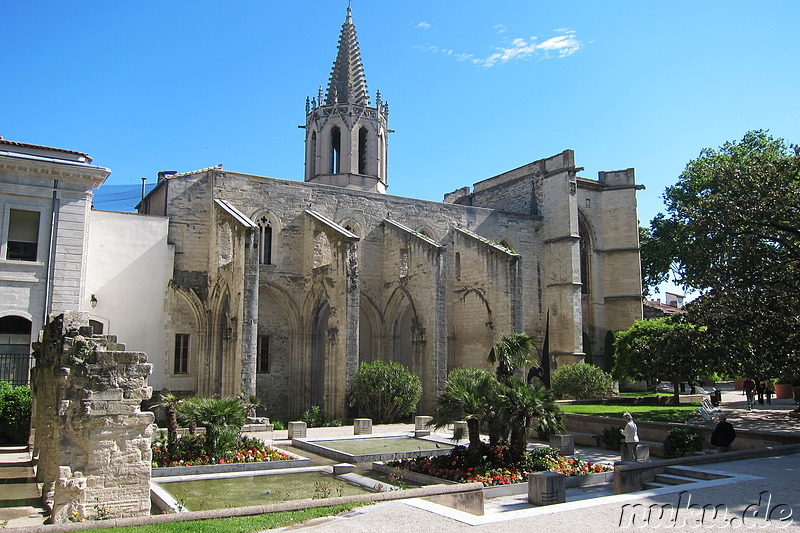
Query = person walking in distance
x=631 y=434
x=723 y=435
x=750 y=391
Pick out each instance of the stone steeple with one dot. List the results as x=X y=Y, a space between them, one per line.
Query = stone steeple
x=347 y=83
x=345 y=136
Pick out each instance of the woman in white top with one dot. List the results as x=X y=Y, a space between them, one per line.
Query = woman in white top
x=631 y=433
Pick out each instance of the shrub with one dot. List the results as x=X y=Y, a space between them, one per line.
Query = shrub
x=222 y=419
x=581 y=381
x=317 y=418
x=384 y=392
x=15 y=412
x=682 y=441
x=612 y=438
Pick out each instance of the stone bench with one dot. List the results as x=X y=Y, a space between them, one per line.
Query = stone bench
x=595 y=440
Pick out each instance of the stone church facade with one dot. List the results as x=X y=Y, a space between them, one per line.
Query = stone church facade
x=282 y=288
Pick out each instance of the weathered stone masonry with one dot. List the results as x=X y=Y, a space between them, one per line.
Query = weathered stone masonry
x=92 y=440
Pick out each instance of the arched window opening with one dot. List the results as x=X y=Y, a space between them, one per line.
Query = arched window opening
x=584 y=256
x=381 y=157
x=336 y=150
x=15 y=349
x=362 y=151
x=265 y=241
x=312 y=155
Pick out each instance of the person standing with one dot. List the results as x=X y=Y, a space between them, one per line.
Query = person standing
x=723 y=435
x=769 y=390
x=631 y=434
x=750 y=391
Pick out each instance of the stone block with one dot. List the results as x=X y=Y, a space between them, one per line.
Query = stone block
x=460 y=424
x=421 y=432
x=297 y=430
x=362 y=426
x=546 y=488
x=564 y=442
x=642 y=453
x=343 y=468
x=421 y=422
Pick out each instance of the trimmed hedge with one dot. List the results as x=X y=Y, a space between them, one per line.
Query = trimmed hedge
x=15 y=412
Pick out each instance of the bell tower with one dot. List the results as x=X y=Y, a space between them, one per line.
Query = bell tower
x=346 y=136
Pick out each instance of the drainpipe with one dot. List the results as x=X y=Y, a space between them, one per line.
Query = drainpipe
x=51 y=252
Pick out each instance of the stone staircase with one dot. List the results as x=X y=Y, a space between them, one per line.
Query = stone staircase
x=678 y=475
x=20 y=496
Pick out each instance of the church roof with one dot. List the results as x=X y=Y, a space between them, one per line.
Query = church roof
x=347 y=82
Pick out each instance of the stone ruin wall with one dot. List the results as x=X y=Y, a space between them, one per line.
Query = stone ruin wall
x=92 y=440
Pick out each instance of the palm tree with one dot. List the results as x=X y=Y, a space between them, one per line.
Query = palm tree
x=511 y=353
x=522 y=403
x=170 y=403
x=469 y=394
x=222 y=419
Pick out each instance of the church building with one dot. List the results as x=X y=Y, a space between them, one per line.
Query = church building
x=282 y=288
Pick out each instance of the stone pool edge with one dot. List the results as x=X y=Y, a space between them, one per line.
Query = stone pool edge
x=170 y=471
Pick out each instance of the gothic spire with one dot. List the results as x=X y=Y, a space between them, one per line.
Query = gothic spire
x=347 y=82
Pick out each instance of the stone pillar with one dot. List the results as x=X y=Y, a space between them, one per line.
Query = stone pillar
x=250 y=314
x=362 y=426
x=94 y=442
x=564 y=442
x=461 y=425
x=297 y=430
x=546 y=488
x=421 y=422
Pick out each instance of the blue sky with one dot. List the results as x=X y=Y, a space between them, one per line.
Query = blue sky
x=474 y=88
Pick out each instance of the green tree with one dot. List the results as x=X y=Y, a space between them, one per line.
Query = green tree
x=469 y=394
x=521 y=404
x=222 y=419
x=581 y=381
x=732 y=232
x=663 y=349
x=512 y=352
x=170 y=403
x=384 y=392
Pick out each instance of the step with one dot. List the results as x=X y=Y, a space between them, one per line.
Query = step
x=693 y=473
x=655 y=485
x=671 y=479
x=16 y=471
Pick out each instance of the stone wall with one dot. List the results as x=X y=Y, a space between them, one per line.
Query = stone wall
x=92 y=440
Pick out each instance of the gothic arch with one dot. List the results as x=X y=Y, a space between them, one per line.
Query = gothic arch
x=268 y=230
x=586 y=244
x=401 y=317
x=370 y=325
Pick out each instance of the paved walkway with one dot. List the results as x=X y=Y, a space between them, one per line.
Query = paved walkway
x=757 y=488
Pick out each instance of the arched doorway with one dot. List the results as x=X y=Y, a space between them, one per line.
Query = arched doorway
x=15 y=349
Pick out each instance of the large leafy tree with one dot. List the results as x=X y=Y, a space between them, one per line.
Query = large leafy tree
x=668 y=348
x=732 y=232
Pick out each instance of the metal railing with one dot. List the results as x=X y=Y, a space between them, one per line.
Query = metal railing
x=14 y=368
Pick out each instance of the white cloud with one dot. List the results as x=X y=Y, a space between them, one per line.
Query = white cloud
x=423 y=25
x=520 y=48
x=499 y=28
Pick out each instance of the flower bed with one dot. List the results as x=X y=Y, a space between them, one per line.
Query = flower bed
x=191 y=452
x=494 y=468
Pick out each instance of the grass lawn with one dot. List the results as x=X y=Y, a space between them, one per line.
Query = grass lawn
x=643 y=394
x=655 y=413
x=239 y=524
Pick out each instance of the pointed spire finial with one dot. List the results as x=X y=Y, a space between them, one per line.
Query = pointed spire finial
x=347 y=82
